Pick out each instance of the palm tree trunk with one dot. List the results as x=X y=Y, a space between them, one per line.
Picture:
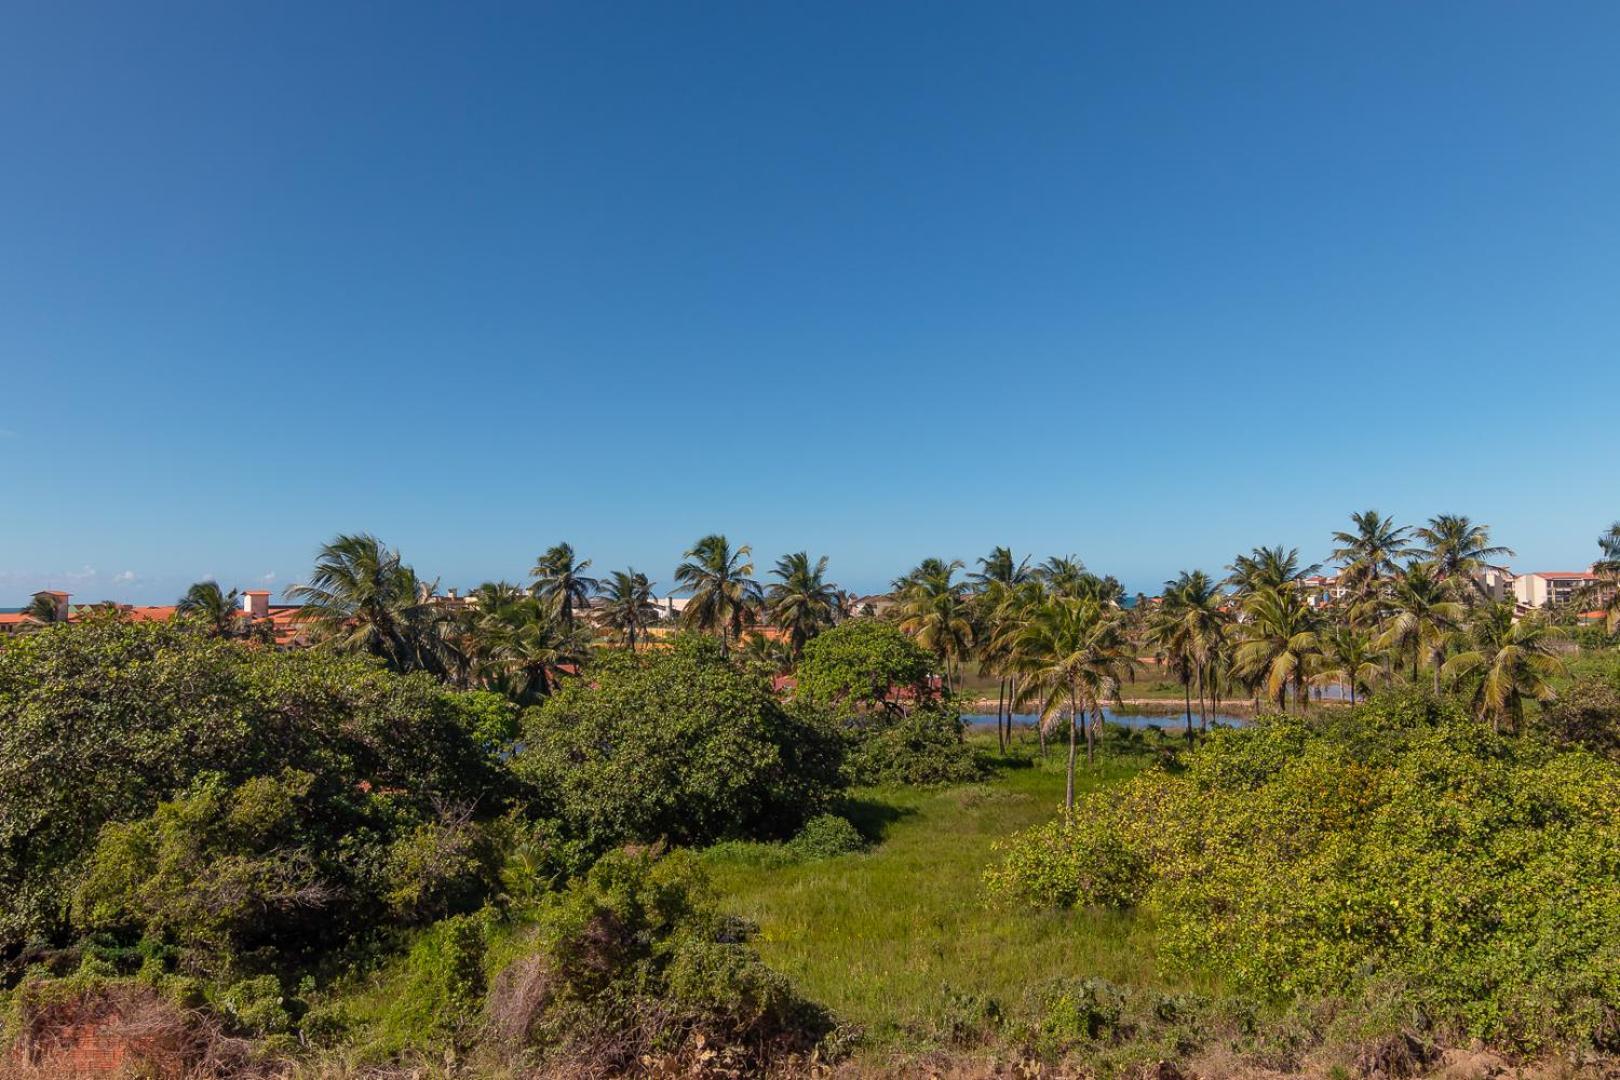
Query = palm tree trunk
x=1203 y=716
x=1186 y=694
x=1068 y=785
x=1001 y=697
x=1088 y=717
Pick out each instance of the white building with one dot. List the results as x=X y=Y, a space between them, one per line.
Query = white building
x=1551 y=588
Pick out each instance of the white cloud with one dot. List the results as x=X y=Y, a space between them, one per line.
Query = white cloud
x=268 y=579
x=124 y=578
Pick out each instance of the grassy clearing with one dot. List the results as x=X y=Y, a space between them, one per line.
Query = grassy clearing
x=897 y=938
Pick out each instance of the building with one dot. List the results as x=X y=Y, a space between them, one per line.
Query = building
x=279 y=622
x=1551 y=588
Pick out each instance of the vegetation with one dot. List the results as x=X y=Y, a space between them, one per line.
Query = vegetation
x=1401 y=842
x=535 y=830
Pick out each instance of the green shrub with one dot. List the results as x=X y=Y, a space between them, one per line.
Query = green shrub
x=101 y=721
x=862 y=664
x=677 y=744
x=825 y=836
x=1398 y=841
x=441 y=868
x=1587 y=713
x=926 y=747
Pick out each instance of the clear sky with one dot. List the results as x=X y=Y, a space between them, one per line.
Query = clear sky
x=1144 y=282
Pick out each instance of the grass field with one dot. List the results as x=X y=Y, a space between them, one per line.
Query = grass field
x=901 y=940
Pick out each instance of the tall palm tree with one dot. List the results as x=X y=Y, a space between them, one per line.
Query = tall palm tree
x=1348 y=659
x=628 y=607
x=1422 y=616
x=362 y=598
x=1457 y=550
x=1268 y=568
x=1280 y=644
x=1073 y=655
x=212 y=607
x=1505 y=661
x=1606 y=590
x=1195 y=604
x=801 y=601
x=1368 y=556
x=931 y=608
x=995 y=584
x=724 y=595
x=1000 y=567
x=560 y=581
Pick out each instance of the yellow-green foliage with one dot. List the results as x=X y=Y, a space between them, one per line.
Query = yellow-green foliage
x=1402 y=839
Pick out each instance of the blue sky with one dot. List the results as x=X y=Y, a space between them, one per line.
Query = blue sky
x=1148 y=283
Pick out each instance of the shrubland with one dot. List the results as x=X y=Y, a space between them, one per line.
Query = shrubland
x=1473 y=876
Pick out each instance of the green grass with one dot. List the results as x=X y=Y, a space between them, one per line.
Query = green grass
x=892 y=937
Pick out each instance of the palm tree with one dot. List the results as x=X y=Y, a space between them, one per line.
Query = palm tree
x=1506 y=661
x=362 y=598
x=1280 y=643
x=1368 y=555
x=1348 y=659
x=527 y=647
x=628 y=606
x=1606 y=590
x=1196 y=602
x=560 y=581
x=724 y=594
x=1000 y=567
x=995 y=585
x=1457 y=550
x=1268 y=568
x=43 y=610
x=931 y=608
x=1422 y=615
x=212 y=607
x=1073 y=656
x=801 y=602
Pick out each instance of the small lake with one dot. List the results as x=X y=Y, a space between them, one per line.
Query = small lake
x=1170 y=722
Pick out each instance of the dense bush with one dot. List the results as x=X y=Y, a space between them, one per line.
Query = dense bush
x=677 y=744
x=274 y=870
x=826 y=836
x=1587 y=713
x=1400 y=841
x=862 y=664
x=637 y=960
x=102 y=721
x=923 y=747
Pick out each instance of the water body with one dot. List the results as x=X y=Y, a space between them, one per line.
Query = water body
x=1170 y=722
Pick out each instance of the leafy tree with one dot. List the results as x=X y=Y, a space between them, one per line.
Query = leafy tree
x=103 y=720
x=628 y=608
x=864 y=664
x=801 y=601
x=212 y=607
x=724 y=595
x=678 y=744
x=560 y=582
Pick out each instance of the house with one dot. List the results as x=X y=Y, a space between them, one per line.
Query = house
x=280 y=620
x=1551 y=588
